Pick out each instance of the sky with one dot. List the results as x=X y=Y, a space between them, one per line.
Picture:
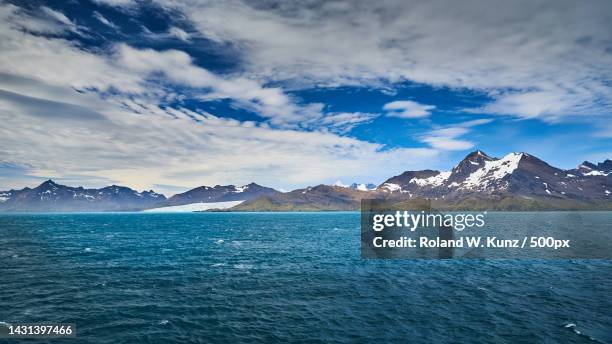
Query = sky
x=170 y=95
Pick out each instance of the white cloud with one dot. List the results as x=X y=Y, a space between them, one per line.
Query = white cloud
x=548 y=105
x=407 y=109
x=448 y=138
x=446 y=143
x=105 y=21
x=175 y=146
x=117 y=3
x=179 y=33
x=177 y=66
x=61 y=18
x=546 y=47
x=95 y=137
x=343 y=122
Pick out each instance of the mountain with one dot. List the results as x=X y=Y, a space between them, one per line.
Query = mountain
x=50 y=196
x=220 y=193
x=517 y=181
x=519 y=177
x=317 y=198
x=590 y=169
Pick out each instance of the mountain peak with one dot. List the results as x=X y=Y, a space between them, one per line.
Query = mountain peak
x=48 y=183
x=477 y=156
x=477 y=153
x=470 y=164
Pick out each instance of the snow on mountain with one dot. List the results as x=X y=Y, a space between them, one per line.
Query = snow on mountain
x=517 y=176
x=339 y=183
x=363 y=187
x=491 y=171
x=50 y=196
x=515 y=173
x=601 y=169
x=193 y=207
x=356 y=186
x=435 y=180
x=596 y=173
x=5 y=196
x=220 y=193
x=391 y=187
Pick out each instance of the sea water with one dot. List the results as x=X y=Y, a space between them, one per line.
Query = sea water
x=280 y=277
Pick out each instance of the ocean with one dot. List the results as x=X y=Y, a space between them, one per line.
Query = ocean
x=278 y=278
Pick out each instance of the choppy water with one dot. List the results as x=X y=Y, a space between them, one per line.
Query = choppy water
x=228 y=277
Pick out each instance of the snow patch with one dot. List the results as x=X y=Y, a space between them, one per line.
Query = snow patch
x=546 y=186
x=340 y=184
x=595 y=173
x=391 y=187
x=4 y=196
x=194 y=207
x=493 y=170
x=362 y=187
x=239 y=189
x=436 y=180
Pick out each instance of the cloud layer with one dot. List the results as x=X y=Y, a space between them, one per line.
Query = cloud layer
x=545 y=58
x=98 y=118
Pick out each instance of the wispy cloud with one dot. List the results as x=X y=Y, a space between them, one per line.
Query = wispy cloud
x=117 y=3
x=61 y=18
x=179 y=33
x=105 y=21
x=449 y=138
x=407 y=109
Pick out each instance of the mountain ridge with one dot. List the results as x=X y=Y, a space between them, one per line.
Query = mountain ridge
x=515 y=181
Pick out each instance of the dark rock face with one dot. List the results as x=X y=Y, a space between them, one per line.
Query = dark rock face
x=220 y=193
x=470 y=164
x=53 y=197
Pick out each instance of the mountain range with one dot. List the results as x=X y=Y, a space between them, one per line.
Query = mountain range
x=517 y=181
x=52 y=197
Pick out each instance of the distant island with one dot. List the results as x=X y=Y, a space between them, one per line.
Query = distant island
x=518 y=181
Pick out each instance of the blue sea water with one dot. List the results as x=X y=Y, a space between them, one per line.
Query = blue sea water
x=277 y=278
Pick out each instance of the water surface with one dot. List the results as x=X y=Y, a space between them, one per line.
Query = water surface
x=278 y=277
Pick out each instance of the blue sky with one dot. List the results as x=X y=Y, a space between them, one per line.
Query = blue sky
x=171 y=95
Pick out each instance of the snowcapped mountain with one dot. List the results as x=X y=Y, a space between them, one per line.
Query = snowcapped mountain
x=479 y=181
x=516 y=174
x=517 y=181
x=356 y=186
x=220 y=193
x=50 y=196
